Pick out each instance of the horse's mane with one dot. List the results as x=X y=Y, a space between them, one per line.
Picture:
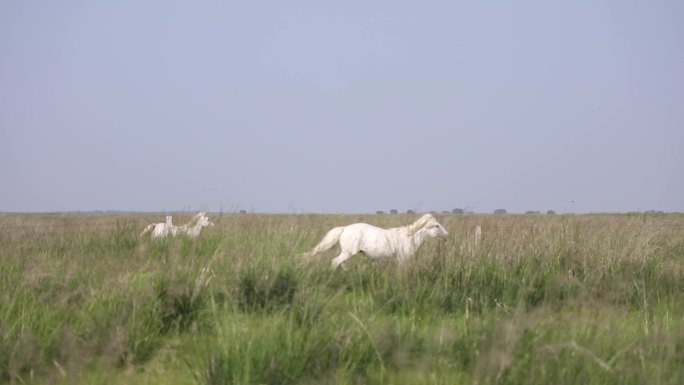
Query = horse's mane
x=194 y=219
x=419 y=224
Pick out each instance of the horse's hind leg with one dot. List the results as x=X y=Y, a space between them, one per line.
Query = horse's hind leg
x=344 y=255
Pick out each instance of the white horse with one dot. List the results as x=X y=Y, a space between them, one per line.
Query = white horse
x=160 y=230
x=375 y=242
x=196 y=224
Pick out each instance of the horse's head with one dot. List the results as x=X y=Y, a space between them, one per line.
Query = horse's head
x=204 y=221
x=434 y=228
x=428 y=223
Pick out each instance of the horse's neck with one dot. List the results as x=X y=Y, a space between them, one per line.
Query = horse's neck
x=194 y=229
x=418 y=237
x=411 y=243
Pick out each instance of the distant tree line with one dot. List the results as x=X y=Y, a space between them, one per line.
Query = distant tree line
x=500 y=211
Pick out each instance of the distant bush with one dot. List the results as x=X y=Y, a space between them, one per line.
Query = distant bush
x=380 y=212
x=394 y=211
x=550 y=212
x=410 y=212
x=457 y=211
x=500 y=211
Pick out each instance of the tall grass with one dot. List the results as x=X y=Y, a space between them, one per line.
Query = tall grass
x=540 y=299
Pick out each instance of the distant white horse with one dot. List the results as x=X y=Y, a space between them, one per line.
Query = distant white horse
x=160 y=230
x=375 y=242
x=196 y=224
x=191 y=229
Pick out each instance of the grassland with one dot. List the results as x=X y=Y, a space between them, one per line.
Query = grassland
x=576 y=299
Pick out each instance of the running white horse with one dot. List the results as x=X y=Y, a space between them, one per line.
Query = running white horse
x=196 y=224
x=160 y=230
x=376 y=243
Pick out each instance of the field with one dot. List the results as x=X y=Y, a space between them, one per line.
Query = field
x=563 y=299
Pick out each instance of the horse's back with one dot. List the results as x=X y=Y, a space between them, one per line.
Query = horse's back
x=372 y=240
x=361 y=231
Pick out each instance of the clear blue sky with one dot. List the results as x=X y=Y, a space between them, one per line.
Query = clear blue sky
x=342 y=107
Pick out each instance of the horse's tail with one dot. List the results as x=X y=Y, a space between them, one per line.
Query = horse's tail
x=148 y=229
x=330 y=240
